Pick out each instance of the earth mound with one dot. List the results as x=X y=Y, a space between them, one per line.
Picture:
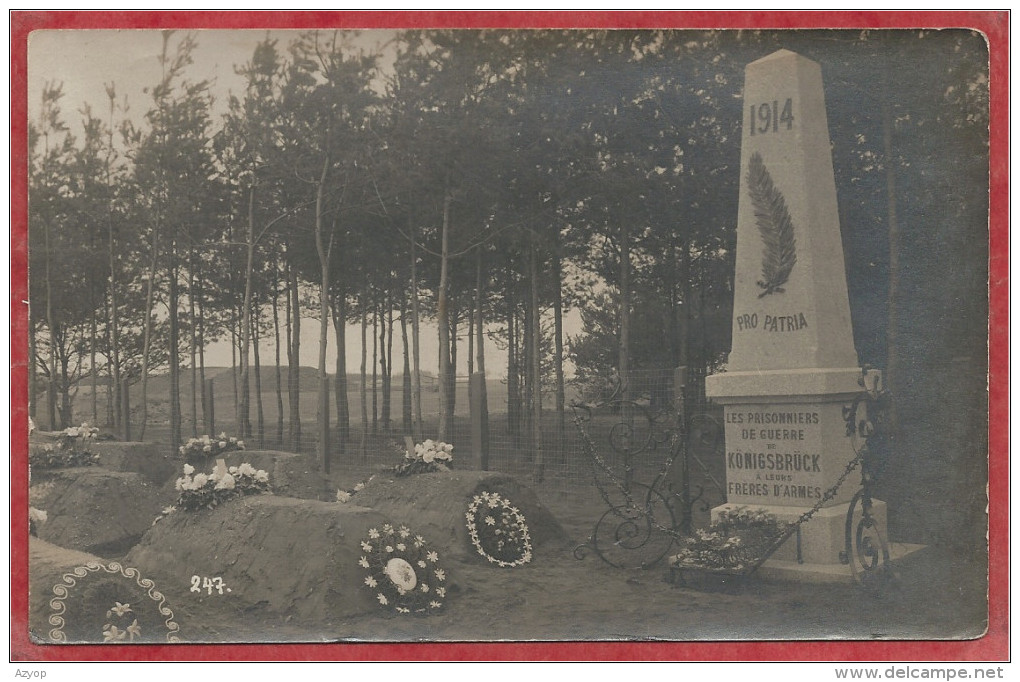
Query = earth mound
x=437 y=503
x=274 y=557
x=95 y=510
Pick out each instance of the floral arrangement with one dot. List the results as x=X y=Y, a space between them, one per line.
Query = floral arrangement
x=428 y=456
x=344 y=496
x=738 y=539
x=401 y=570
x=209 y=490
x=69 y=450
x=206 y=447
x=136 y=612
x=498 y=530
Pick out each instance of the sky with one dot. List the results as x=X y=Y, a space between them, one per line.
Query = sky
x=86 y=61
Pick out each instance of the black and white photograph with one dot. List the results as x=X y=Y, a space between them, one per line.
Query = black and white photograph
x=507 y=335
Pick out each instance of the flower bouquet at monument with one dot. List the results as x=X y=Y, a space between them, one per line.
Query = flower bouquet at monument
x=425 y=457
x=736 y=541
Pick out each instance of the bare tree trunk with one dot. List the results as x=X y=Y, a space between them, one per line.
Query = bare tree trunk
x=452 y=379
x=442 y=318
x=294 y=353
x=278 y=374
x=513 y=396
x=114 y=329
x=343 y=409
x=201 y=355
x=415 y=338
x=892 y=331
x=260 y=420
x=536 y=367
x=364 y=371
x=92 y=367
x=320 y=247
x=480 y=323
x=375 y=365
x=193 y=342
x=387 y=371
x=147 y=333
x=244 y=405
x=561 y=422
x=175 y=347
x=405 y=396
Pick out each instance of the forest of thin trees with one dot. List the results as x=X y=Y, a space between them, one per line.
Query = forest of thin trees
x=482 y=181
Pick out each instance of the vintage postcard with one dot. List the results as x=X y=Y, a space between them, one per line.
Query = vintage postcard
x=494 y=331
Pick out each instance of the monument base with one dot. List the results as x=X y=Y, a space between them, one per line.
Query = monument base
x=814 y=554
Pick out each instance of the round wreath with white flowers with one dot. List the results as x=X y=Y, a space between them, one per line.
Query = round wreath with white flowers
x=498 y=530
x=402 y=571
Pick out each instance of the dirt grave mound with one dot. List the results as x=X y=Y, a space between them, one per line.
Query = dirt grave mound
x=95 y=510
x=146 y=459
x=276 y=558
x=437 y=503
x=76 y=597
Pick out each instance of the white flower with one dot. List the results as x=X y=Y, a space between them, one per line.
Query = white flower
x=113 y=634
x=121 y=609
x=401 y=546
x=188 y=469
x=441 y=591
x=169 y=510
x=371 y=582
x=200 y=480
x=222 y=444
x=428 y=457
x=363 y=562
x=226 y=483
x=424 y=587
x=233 y=471
x=181 y=450
x=435 y=604
x=343 y=496
x=373 y=533
x=240 y=444
x=261 y=476
x=432 y=556
x=440 y=574
x=387 y=528
x=382 y=599
x=359 y=487
x=207 y=448
x=404 y=532
x=489 y=521
x=389 y=549
x=246 y=470
x=421 y=564
x=418 y=541
x=366 y=547
x=135 y=630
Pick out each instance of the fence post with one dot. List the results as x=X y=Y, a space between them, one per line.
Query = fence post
x=324 y=424
x=478 y=400
x=125 y=404
x=209 y=412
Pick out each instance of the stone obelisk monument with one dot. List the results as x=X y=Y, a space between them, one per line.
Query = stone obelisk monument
x=793 y=365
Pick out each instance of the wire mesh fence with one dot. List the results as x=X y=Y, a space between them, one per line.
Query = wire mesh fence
x=552 y=456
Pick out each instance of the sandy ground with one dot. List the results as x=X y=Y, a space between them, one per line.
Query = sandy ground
x=939 y=594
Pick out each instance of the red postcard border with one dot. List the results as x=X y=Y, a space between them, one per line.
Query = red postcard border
x=993 y=646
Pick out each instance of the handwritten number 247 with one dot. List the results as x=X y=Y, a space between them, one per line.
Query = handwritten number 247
x=767 y=117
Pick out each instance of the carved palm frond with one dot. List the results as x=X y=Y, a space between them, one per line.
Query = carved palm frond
x=780 y=247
